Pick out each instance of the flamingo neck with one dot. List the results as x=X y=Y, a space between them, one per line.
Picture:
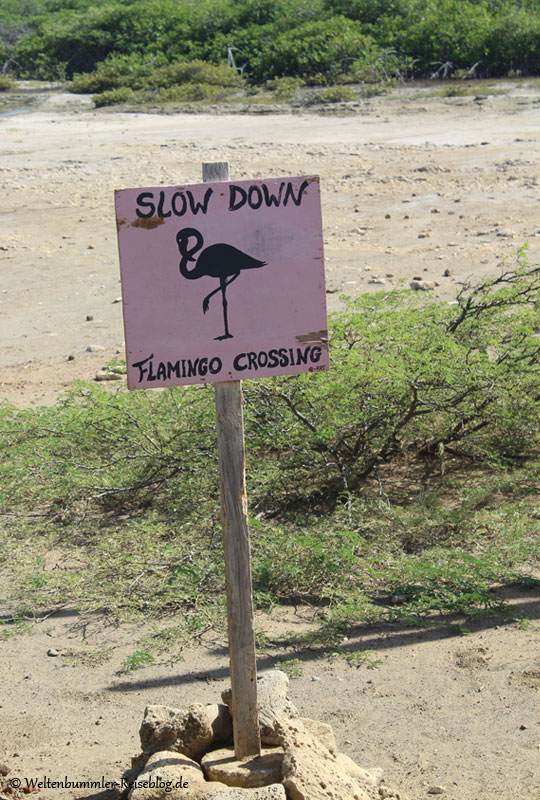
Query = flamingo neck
x=188 y=253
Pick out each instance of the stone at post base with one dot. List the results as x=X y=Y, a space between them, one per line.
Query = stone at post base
x=163 y=769
x=190 y=731
x=272 y=702
x=321 y=731
x=222 y=765
x=372 y=776
x=172 y=776
x=218 y=791
x=310 y=771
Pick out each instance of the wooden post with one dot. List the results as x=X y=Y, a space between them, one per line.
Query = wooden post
x=230 y=435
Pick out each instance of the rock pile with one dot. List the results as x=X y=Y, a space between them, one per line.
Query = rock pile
x=188 y=755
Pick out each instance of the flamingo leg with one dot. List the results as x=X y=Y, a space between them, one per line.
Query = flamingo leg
x=223 y=287
x=223 y=283
x=206 y=301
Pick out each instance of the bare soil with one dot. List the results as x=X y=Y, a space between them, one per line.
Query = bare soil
x=414 y=185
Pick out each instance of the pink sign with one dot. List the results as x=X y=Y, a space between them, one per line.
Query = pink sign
x=222 y=281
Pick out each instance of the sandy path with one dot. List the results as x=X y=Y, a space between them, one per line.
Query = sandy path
x=412 y=186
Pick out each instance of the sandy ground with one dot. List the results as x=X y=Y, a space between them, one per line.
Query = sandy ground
x=413 y=185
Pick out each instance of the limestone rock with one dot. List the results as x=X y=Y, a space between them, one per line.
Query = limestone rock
x=165 y=776
x=272 y=703
x=191 y=732
x=386 y=793
x=218 y=791
x=419 y=285
x=372 y=777
x=310 y=772
x=321 y=731
x=263 y=770
x=105 y=375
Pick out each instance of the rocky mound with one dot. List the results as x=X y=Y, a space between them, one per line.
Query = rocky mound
x=187 y=754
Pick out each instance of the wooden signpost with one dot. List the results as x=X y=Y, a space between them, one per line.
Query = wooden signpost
x=259 y=285
x=231 y=452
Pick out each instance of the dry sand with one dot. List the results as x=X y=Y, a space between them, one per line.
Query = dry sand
x=413 y=185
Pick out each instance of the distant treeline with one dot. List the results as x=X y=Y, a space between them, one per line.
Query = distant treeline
x=319 y=41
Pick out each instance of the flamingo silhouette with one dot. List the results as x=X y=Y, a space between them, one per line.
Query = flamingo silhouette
x=220 y=260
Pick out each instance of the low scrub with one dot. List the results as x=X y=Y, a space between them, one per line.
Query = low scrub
x=332 y=94
x=6 y=83
x=113 y=97
x=409 y=376
x=136 y=73
x=122 y=79
x=399 y=482
x=284 y=88
x=317 y=41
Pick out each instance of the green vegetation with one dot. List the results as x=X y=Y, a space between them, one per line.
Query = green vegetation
x=121 y=79
x=333 y=94
x=6 y=83
x=322 y=42
x=292 y=667
x=398 y=485
x=362 y=658
x=138 y=659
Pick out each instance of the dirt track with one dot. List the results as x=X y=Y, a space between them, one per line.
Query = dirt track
x=444 y=189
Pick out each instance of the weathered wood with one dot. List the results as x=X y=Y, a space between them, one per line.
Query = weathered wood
x=231 y=450
x=215 y=171
x=238 y=569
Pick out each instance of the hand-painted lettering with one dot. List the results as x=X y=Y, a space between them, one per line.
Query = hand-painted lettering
x=196 y=207
x=167 y=205
x=284 y=357
x=250 y=362
x=255 y=196
x=142 y=200
x=179 y=204
x=160 y=210
x=163 y=204
x=149 y=370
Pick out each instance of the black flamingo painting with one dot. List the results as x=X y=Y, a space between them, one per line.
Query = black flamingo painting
x=222 y=261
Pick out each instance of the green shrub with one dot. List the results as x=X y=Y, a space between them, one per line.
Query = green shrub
x=408 y=375
x=185 y=93
x=367 y=11
x=196 y=72
x=436 y=381
x=284 y=88
x=374 y=67
x=311 y=49
x=6 y=83
x=113 y=97
x=114 y=72
x=434 y=32
x=81 y=38
x=333 y=94
x=121 y=78
x=513 y=42
x=275 y=38
x=124 y=485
